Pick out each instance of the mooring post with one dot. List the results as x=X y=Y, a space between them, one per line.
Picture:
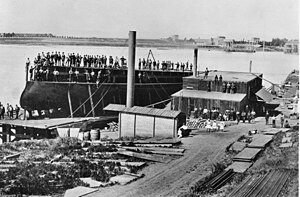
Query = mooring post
x=130 y=71
x=195 y=62
x=250 y=66
x=91 y=100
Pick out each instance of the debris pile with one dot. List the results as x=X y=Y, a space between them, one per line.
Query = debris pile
x=47 y=167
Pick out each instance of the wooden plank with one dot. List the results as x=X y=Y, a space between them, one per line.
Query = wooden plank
x=247 y=154
x=12 y=156
x=286 y=145
x=239 y=167
x=157 y=158
x=178 y=150
x=123 y=179
x=5 y=166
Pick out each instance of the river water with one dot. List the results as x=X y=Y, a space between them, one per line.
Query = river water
x=275 y=66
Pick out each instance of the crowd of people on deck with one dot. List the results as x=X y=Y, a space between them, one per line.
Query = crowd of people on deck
x=41 y=67
x=10 y=112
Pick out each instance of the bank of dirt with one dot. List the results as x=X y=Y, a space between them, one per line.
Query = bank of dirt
x=177 y=177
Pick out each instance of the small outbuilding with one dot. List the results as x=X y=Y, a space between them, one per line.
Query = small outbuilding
x=147 y=122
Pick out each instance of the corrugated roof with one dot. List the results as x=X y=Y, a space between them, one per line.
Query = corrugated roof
x=228 y=76
x=265 y=95
x=237 y=97
x=143 y=110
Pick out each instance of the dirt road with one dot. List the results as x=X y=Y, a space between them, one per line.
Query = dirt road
x=202 y=150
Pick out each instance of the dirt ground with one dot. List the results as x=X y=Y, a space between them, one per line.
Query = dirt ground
x=202 y=151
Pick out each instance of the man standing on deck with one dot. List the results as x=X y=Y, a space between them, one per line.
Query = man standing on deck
x=17 y=109
x=2 y=111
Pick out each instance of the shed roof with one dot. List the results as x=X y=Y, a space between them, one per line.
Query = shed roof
x=143 y=110
x=228 y=76
x=265 y=95
x=237 y=97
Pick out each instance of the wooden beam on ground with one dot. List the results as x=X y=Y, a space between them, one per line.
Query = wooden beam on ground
x=157 y=158
x=179 y=150
x=149 y=150
x=12 y=156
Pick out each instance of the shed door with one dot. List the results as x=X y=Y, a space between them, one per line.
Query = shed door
x=144 y=125
x=164 y=127
x=127 y=124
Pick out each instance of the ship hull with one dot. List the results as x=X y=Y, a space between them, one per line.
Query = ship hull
x=64 y=98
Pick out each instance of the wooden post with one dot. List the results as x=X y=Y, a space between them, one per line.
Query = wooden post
x=195 y=62
x=91 y=100
x=119 y=126
x=70 y=103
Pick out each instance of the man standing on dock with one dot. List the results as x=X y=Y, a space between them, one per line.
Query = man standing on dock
x=206 y=73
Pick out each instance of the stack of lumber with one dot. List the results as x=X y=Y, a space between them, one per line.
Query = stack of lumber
x=286 y=141
x=269 y=184
x=239 y=167
x=247 y=155
x=156 y=150
x=272 y=131
x=260 y=141
x=195 y=123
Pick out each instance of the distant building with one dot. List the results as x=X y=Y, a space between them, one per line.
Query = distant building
x=292 y=46
x=175 y=37
x=26 y=35
x=255 y=40
x=203 y=42
x=219 y=41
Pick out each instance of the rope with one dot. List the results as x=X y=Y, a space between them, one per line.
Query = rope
x=154 y=87
x=98 y=102
x=158 y=102
x=88 y=97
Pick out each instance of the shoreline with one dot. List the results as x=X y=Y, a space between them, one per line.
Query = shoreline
x=110 y=42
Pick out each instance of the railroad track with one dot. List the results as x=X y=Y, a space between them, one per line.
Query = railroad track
x=269 y=184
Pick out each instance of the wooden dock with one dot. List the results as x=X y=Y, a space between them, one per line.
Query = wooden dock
x=37 y=129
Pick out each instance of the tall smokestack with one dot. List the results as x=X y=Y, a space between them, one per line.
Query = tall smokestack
x=250 y=66
x=195 y=62
x=130 y=71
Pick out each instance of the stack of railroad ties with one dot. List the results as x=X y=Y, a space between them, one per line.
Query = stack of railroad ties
x=249 y=148
x=268 y=184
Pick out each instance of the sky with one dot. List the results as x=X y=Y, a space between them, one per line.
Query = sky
x=238 y=19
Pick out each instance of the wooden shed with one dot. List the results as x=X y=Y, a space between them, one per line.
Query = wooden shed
x=224 y=90
x=147 y=122
x=187 y=100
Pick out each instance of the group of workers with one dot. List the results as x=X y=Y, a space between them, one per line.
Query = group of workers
x=227 y=87
x=229 y=114
x=283 y=122
x=9 y=111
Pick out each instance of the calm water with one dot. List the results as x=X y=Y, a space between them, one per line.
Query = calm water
x=274 y=66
